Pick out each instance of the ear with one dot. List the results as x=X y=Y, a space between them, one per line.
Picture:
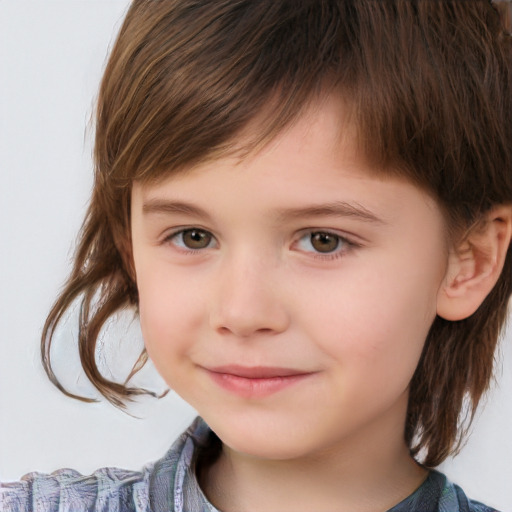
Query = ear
x=475 y=265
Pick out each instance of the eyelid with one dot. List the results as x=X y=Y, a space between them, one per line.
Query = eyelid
x=169 y=236
x=347 y=242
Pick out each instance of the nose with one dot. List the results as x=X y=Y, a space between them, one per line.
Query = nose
x=248 y=299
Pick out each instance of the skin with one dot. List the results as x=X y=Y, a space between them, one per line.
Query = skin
x=345 y=299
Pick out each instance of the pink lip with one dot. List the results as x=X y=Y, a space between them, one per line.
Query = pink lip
x=255 y=382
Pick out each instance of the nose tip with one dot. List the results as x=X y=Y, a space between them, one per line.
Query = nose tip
x=249 y=321
x=249 y=306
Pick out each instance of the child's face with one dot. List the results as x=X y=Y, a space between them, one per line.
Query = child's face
x=288 y=298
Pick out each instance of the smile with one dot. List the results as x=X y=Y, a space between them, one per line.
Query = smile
x=256 y=382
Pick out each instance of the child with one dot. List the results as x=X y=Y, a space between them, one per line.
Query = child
x=309 y=204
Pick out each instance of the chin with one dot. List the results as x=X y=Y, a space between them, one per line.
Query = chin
x=259 y=447
x=263 y=438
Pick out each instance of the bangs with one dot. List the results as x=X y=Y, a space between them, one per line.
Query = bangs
x=424 y=94
x=200 y=75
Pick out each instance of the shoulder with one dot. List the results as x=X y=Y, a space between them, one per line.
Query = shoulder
x=67 y=489
x=454 y=498
x=469 y=505
x=106 y=490
x=438 y=494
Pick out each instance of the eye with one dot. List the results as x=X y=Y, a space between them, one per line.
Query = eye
x=322 y=242
x=192 y=239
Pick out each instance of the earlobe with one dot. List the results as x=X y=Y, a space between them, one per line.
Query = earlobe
x=475 y=265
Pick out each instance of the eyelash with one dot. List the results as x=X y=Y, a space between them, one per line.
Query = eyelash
x=171 y=238
x=346 y=244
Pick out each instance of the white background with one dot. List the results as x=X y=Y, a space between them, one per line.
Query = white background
x=51 y=57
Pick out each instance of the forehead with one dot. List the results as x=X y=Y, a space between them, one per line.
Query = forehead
x=323 y=133
x=315 y=164
x=325 y=119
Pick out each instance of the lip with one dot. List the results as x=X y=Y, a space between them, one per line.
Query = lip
x=256 y=382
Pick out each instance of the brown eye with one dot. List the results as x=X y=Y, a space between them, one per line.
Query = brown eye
x=194 y=239
x=324 y=242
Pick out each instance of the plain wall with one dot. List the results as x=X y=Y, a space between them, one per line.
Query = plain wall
x=51 y=57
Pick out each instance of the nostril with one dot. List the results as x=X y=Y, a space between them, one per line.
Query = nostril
x=247 y=309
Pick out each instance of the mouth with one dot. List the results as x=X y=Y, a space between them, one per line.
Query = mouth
x=256 y=382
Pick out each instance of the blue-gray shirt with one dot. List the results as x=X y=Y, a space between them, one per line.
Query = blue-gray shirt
x=170 y=485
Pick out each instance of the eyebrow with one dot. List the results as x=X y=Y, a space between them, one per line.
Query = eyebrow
x=169 y=207
x=333 y=209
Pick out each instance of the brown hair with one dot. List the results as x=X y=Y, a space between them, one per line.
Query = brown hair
x=429 y=84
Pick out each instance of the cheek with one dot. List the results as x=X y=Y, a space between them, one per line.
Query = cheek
x=167 y=318
x=375 y=322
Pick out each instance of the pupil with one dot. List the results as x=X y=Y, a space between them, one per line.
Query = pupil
x=195 y=239
x=324 y=242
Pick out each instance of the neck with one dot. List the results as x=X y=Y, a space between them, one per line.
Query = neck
x=370 y=471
